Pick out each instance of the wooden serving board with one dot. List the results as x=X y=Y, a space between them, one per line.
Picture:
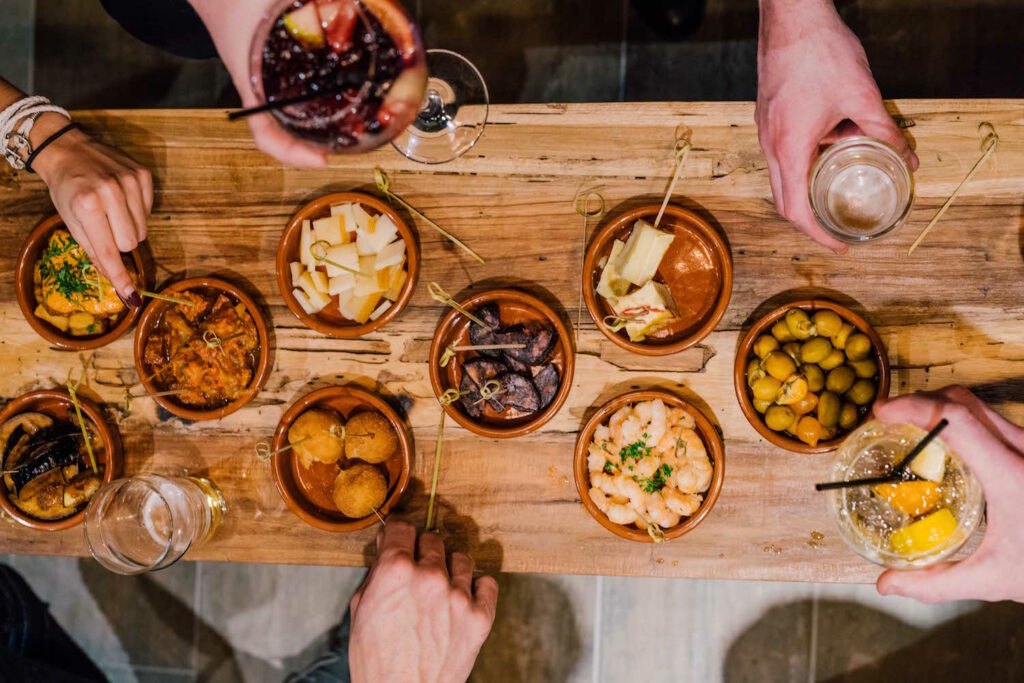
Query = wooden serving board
x=954 y=312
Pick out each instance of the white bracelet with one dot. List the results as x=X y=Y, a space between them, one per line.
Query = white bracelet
x=15 y=143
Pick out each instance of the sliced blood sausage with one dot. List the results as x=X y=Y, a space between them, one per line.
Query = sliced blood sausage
x=547 y=382
x=538 y=337
x=481 y=335
x=517 y=391
x=479 y=370
x=470 y=398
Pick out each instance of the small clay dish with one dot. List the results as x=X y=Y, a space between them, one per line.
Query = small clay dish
x=514 y=307
x=330 y=321
x=763 y=326
x=58 y=405
x=697 y=269
x=147 y=324
x=25 y=290
x=309 y=492
x=712 y=444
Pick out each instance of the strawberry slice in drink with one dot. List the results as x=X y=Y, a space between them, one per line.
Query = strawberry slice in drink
x=338 y=19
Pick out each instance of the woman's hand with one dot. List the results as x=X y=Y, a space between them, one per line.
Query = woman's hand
x=994 y=450
x=104 y=198
x=812 y=74
x=414 y=621
x=232 y=25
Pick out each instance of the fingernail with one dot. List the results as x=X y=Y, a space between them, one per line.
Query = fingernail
x=134 y=300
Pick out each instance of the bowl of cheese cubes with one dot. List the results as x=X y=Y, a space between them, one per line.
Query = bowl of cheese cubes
x=347 y=264
x=656 y=288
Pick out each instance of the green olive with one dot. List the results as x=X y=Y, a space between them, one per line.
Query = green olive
x=848 y=416
x=828 y=409
x=766 y=388
x=827 y=323
x=828 y=433
x=862 y=392
x=832 y=360
x=799 y=324
x=809 y=430
x=840 y=379
x=792 y=390
x=865 y=369
x=781 y=332
x=792 y=349
x=815 y=377
x=858 y=346
x=779 y=418
x=779 y=365
x=754 y=371
x=815 y=350
x=764 y=345
x=839 y=339
x=761 y=406
x=806 y=404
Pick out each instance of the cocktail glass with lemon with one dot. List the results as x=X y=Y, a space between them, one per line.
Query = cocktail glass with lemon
x=914 y=522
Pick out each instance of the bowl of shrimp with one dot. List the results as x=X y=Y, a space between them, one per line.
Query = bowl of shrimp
x=649 y=466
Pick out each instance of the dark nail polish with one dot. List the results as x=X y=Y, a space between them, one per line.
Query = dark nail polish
x=134 y=300
x=123 y=300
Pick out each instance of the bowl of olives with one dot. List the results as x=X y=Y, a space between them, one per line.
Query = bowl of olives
x=808 y=373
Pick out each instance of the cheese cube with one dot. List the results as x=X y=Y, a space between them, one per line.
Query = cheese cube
x=348 y=224
x=344 y=255
x=359 y=308
x=611 y=284
x=317 y=298
x=367 y=284
x=648 y=309
x=305 y=242
x=341 y=283
x=329 y=230
x=319 y=279
x=398 y=276
x=391 y=254
x=380 y=310
x=368 y=264
x=379 y=232
x=304 y=302
x=296 y=269
x=639 y=260
x=361 y=218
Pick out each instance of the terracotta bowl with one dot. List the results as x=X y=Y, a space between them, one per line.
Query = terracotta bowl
x=147 y=324
x=57 y=404
x=304 y=493
x=763 y=326
x=697 y=268
x=515 y=307
x=25 y=290
x=329 y=321
x=708 y=434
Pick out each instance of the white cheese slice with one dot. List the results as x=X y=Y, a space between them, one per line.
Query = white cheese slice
x=391 y=255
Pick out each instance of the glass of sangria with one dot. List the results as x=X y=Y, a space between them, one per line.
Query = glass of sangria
x=365 y=57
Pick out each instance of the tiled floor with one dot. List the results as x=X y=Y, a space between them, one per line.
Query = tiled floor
x=254 y=623
x=234 y=623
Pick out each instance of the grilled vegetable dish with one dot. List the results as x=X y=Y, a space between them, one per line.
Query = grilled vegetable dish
x=47 y=470
x=509 y=382
x=206 y=351
x=71 y=294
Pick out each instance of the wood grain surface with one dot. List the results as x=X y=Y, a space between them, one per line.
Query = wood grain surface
x=954 y=312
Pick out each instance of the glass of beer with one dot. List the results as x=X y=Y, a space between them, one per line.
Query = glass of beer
x=860 y=189
x=915 y=521
x=148 y=522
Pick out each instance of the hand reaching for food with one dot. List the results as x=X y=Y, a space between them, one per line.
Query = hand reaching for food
x=994 y=449
x=812 y=75
x=413 y=620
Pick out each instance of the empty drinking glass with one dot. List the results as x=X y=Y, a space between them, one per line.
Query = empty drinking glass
x=149 y=521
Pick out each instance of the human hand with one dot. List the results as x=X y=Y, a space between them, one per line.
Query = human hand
x=104 y=198
x=994 y=450
x=411 y=619
x=812 y=74
x=232 y=25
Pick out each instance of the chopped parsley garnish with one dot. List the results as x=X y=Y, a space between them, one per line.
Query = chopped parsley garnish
x=609 y=468
x=636 y=450
x=657 y=481
x=67 y=276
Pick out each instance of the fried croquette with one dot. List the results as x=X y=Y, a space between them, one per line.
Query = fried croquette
x=370 y=437
x=316 y=436
x=359 y=490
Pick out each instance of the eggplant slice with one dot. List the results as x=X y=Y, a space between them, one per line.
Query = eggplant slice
x=547 y=381
x=48 y=449
x=518 y=392
x=480 y=370
x=478 y=335
x=539 y=339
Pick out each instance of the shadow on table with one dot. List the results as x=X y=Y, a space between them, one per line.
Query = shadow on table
x=857 y=644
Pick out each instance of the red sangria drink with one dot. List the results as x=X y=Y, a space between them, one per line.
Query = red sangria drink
x=365 y=57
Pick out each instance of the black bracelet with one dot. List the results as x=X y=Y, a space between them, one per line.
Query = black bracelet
x=47 y=141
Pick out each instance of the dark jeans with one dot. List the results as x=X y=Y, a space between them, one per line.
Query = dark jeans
x=33 y=647
x=333 y=666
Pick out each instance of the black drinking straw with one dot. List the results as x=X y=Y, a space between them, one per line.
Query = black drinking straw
x=345 y=81
x=897 y=473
